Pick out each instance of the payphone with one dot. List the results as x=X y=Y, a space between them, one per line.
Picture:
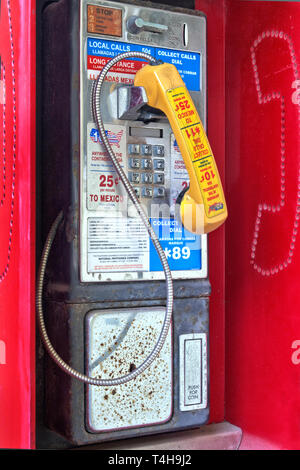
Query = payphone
x=110 y=90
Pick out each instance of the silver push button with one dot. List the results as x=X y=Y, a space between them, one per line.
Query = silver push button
x=159 y=192
x=134 y=177
x=159 y=164
x=159 y=178
x=134 y=163
x=147 y=178
x=158 y=150
x=146 y=149
x=133 y=149
x=147 y=192
x=147 y=163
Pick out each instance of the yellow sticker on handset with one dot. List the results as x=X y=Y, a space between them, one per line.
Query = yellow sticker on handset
x=198 y=149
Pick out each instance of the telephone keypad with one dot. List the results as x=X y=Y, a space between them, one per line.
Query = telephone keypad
x=147 y=172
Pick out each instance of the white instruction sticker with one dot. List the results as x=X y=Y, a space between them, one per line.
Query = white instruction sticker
x=117 y=245
x=105 y=192
x=193 y=371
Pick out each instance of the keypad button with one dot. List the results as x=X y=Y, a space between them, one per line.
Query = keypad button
x=137 y=191
x=159 y=164
x=133 y=149
x=134 y=163
x=146 y=149
x=159 y=192
x=147 y=178
x=147 y=192
x=159 y=178
x=147 y=163
x=134 y=177
x=159 y=150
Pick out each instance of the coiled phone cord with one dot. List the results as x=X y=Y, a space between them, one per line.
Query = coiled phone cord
x=96 y=96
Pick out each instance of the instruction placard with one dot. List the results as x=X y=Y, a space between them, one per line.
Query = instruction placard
x=182 y=248
x=117 y=245
x=104 y=189
x=100 y=51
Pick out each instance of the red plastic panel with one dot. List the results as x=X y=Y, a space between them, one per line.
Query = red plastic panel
x=215 y=14
x=17 y=215
x=263 y=193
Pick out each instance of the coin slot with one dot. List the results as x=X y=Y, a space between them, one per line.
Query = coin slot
x=185 y=34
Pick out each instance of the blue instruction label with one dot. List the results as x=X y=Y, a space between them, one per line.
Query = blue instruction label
x=182 y=248
x=187 y=63
x=104 y=48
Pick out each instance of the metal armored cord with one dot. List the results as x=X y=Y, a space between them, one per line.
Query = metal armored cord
x=96 y=96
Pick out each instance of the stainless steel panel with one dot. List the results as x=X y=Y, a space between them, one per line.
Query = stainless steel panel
x=185 y=32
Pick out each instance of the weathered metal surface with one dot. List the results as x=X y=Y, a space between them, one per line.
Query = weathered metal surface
x=118 y=341
x=65 y=398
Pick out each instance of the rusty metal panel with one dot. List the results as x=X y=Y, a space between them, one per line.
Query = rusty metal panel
x=65 y=399
x=118 y=341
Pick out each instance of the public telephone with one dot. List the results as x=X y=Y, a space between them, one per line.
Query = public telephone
x=127 y=166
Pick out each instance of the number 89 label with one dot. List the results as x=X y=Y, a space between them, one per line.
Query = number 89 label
x=178 y=252
x=182 y=248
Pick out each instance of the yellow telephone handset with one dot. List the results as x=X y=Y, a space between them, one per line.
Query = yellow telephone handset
x=203 y=207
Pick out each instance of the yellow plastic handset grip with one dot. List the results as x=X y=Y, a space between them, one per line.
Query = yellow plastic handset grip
x=203 y=207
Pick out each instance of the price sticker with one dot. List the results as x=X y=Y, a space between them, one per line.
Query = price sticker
x=199 y=150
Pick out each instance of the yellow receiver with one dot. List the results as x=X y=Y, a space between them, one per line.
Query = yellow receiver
x=203 y=207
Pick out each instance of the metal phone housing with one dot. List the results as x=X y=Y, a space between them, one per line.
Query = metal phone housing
x=125 y=306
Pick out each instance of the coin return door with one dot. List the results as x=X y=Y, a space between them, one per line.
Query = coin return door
x=118 y=341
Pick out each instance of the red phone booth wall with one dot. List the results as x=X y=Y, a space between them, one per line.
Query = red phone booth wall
x=261 y=78
x=17 y=227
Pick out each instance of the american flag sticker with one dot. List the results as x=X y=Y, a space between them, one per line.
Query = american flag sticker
x=176 y=147
x=113 y=137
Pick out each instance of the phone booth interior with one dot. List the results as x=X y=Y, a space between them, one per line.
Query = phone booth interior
x=230 y=353
x=103 y=295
